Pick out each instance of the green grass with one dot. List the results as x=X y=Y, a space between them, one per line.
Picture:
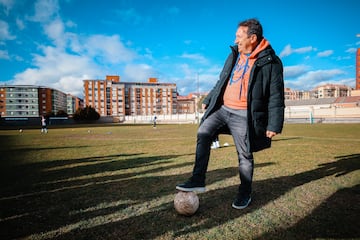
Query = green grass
x=118 y=182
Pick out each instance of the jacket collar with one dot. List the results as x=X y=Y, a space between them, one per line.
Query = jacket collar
x=265 y=56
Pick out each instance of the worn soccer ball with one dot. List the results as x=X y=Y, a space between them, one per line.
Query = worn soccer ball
x=186 y=203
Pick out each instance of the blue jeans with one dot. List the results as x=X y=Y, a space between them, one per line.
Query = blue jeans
x=236 y=121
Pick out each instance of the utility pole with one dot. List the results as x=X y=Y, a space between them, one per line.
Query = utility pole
x=197 y=79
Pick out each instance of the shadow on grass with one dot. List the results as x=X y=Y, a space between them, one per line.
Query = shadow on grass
x=58 y=174
x=138 y=206
x=216 y=209
x=20 y=178
x=336 y=218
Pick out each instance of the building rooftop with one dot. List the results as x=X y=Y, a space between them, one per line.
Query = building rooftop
x=314 y=101
x=322 y=101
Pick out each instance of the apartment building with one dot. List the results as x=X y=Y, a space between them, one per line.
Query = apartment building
x=111 y=97
x=73 y=103
x=291 y=94
x=322 y=91
x=332 y=90
x=30 y=101
x=186 y=104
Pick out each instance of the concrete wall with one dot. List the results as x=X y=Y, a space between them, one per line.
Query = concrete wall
x=293 y=114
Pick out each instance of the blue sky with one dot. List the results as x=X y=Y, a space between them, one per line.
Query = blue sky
x=59 y=43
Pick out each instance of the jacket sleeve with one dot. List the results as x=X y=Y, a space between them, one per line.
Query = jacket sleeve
x=207 y=99
x=276 y=103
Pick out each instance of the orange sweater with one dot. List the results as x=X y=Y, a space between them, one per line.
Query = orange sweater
x=235 y=95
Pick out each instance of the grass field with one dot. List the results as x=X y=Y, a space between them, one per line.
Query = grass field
x=118 y=182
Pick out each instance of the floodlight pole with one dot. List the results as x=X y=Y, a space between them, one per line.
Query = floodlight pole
x=198 y=98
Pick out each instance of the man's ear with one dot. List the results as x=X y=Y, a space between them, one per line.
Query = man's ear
x=253 y=38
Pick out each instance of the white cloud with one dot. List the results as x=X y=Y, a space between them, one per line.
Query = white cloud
x=148 y=54
x=304 y=49
x=4 y=54
x=325 y=53
x=4 y=31
x=138 y=72
x=351 y=50
x=108 y=49
x=196 y=57
x=56 y=68
x=288 y=50
x=65 y=64
x=311 y=79
x=341 y=58
x=188 y=77
x=72 y=84
x=8 y=4
x=18 y=58
x=70 y=24
x=207 y=81
x=346 y=81
x=55 y=31
x=44 y=11
x=294 y=71
x=20 y=23
x=186 y=70
x=320 y=75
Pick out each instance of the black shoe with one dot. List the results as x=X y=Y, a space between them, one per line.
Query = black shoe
x=191 y=186
x=241 y=201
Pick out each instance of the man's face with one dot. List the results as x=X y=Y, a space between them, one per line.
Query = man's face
x=243 y=41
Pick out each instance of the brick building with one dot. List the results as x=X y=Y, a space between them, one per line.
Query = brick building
x=111 y=97
x=30 y=101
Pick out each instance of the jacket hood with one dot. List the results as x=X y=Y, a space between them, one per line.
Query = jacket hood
x=264 y=44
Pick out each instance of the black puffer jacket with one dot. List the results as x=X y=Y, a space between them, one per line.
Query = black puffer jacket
x=265 y=97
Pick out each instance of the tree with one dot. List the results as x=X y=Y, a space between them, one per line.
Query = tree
x=61 y=113
x=49 y=114
x=86 y=114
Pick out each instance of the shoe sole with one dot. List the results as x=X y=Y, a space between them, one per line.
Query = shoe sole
x=241 y=207
x=194 y=189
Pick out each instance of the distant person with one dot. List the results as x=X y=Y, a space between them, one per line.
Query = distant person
x=43 y=125
x=247 y=102
x=215 y=143
x=154 y=122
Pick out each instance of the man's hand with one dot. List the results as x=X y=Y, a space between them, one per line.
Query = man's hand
x=203 y=106
x=270 y=134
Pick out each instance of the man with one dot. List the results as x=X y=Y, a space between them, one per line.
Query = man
x=247 y=102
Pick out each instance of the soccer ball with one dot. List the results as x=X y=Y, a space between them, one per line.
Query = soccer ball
x=186 y=203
